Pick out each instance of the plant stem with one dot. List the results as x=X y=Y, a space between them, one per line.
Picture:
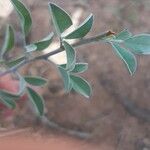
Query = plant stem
x=81 y=42
x=86 y=41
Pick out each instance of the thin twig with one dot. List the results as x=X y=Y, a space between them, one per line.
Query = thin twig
x=56 y=51
x=53 y=125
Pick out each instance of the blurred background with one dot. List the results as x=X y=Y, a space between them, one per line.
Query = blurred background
x=116 y=114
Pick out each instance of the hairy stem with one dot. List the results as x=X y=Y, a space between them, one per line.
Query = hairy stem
x=81 y=42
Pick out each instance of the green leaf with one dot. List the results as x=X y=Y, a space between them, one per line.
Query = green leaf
x=9 y=40
x=82 y=30
x=7 y=98
x=31 y=48
x=36 y=100
x=123 y=35
x=60 y=18
x=15 y=62
x=24 y=15
x=22 y=85
x=127 y=57
x=139 y=44
x=40 y=45
x=35 y=81
x=63 y=66
x=14 y=96
x=10 y=103
x=71 y=55
x=81 y=86
x=9 y=95
x=80 y=68
x=44 y=43
x=66 y=79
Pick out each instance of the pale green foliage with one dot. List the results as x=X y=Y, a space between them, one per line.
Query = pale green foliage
x=81 y=86
x=71 y=56
x=139 y=44
x=36 y=100
x=123 y=35
x=123 y=43
x=8 y=102
x=65 y=76
x=14 y=62
x=40 y=45
x=24 y=15
x=8 y=98
x=9 y=41
x=35 y=81
x=127 y=57
x=80 y=68
x=82 y=30
x=60 y=18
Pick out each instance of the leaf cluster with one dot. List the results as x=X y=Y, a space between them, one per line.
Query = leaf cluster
x=125 y=45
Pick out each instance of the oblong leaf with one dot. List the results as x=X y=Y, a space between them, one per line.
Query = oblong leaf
x=14 y=96
x=44 y=43
x=9 y=95
x=40 y=45
x=24 y=15
x=36 y=100
x=66 y=79
x=80 y=68
x=9 y=103
x=15 y=62
x=71 y=55
x=139 y=44
x=63 y=66
x=123 y=35
x=127 y=57
x=82 y=30
x=9 y=40
x=60 y=18
x=35 y=81
x=81 y=86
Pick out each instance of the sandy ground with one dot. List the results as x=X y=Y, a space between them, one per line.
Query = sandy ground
x=26 y=140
